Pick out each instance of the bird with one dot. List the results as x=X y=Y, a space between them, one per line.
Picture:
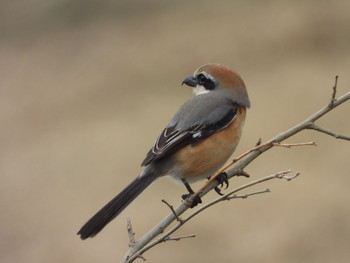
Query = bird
x=197 y=141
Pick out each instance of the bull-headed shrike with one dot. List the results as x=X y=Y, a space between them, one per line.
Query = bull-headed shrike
x=198 y=140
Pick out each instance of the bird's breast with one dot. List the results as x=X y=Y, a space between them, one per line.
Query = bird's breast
x=203 y=159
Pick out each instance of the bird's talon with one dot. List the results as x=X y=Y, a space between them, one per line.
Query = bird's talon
x=226 y=185
x=218 y=191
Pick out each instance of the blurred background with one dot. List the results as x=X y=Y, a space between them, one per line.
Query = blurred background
x=87 y=86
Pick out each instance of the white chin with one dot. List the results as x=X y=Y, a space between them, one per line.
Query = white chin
x=199 y=90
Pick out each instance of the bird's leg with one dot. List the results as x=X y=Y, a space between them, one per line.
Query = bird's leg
x=197 y=200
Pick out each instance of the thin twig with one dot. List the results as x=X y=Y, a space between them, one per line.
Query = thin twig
x=315 y=127
x=244 y=196
x=172 y=210
x=258 y=142
x=131 y=233
x=333 y=99
x=178 y=238
x=289 y=177
x=289 y=145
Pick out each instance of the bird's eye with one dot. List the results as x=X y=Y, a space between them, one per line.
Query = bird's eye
x=201 y=79
x=205 y=81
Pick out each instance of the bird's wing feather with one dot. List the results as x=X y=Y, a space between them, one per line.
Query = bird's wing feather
x=182 y=132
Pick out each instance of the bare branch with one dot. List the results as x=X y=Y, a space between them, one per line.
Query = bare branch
x=313 y=126
x=334 y=91
x=289 y=178
x=244 y=196
x=149 y=240
x=289 y=145
x=178 y=238
x=280 y=175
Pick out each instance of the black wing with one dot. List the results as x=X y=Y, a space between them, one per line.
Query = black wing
x=172 y=138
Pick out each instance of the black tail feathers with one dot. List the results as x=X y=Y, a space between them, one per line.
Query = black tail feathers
x=116 y=205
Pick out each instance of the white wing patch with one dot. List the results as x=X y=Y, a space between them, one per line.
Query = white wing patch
x=197 y=134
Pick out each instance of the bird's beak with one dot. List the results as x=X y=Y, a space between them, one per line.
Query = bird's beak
x=190 y=81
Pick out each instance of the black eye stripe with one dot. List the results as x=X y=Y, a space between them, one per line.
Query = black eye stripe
x=207 y=83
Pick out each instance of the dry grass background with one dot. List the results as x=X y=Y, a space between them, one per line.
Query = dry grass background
x=86 y=87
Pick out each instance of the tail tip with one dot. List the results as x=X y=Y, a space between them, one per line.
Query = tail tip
x=85 y=234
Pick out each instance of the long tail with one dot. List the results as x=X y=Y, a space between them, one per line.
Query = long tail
x=116 y=205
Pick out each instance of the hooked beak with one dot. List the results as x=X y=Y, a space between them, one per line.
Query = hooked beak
x=190 y=81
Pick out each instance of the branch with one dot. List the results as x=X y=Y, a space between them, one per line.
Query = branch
x=244 y=196
x=334 y=91
x=313 y=126
x=145 y=243
x=177 y=238
x=229 y=196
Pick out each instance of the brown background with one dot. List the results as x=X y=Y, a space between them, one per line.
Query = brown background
x=86 y=87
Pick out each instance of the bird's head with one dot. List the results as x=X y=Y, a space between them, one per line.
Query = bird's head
x=219 y=78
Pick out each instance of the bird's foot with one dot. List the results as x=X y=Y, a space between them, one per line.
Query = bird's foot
x=191 y=200
x=222 y=179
